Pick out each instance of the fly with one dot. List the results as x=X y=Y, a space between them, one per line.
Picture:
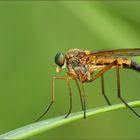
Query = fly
x=82 y=65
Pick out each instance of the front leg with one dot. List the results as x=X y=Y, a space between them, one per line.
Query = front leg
x=66 y=78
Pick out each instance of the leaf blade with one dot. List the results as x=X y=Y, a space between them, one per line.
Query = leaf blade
x=45 y=125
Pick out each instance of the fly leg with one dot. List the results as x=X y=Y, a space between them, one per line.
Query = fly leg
x=82 y=96
x=103 y=70
x=53 y=98
x=52 y=101
x=103 y=90
x=80 y=93
x=78 y=86
x=84 y=100
x=70 y=93
x=119 y=93
x=100 y=73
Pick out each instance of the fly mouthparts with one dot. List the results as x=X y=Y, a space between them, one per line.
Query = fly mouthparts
x=54 y=65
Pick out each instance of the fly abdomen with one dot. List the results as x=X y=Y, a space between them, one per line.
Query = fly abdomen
x=135 y=66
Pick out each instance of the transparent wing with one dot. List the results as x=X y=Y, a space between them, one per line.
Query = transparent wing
x=118 y=52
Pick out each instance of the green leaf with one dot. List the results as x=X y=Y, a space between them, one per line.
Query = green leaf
x=45 y=125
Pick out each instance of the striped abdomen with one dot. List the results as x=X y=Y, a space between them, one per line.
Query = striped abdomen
x=135 y=66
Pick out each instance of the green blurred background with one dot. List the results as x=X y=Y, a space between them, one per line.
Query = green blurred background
x=31 y=33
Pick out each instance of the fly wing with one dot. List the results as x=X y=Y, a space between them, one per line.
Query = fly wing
x=118 y=52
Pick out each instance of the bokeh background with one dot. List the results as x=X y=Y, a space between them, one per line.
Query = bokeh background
x=31 y=33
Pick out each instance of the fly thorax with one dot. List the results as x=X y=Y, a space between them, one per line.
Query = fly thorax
x=83 y=73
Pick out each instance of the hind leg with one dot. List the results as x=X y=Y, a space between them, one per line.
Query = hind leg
x=119 y=92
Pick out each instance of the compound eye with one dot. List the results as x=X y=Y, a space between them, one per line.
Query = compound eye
x=59 y=59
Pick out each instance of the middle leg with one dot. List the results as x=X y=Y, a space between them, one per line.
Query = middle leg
x=84 y=100
x=103 y=90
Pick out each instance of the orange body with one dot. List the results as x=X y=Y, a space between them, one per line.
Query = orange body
x=82 y=64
